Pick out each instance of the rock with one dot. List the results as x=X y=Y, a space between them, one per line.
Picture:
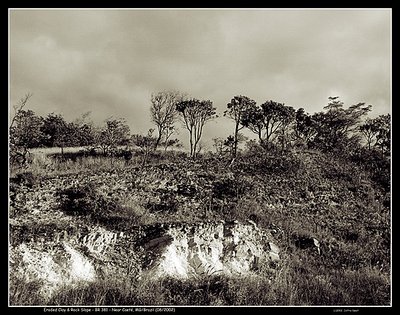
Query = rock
x=65 y=266
x=219 y=248
x=174 y=250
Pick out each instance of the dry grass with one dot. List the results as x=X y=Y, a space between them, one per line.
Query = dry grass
x=287 y=285
x=352 y=270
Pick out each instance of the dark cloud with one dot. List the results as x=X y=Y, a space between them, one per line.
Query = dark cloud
x=110 y=61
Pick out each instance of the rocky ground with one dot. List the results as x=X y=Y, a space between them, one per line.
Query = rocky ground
x=175 y=219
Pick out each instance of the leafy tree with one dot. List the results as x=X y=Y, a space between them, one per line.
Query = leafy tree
x=25 y=133
x=57 y=132
x=304 y=128
x=195 y=114
x=268 y=120
x=218 y=145
x=167 y=142
x=114 y=133
x=163 y=113
x=369 y=130
x=84 y=131
x=236 y=109
x=145 y=143
x=231 y=144
x=277 y=117
x=337 y=128
x=377 y=133
x=382 y=123
x=253 y=119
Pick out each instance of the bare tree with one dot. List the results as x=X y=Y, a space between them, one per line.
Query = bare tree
x=163 y=113
x=20 y=106
x=194 y=115
x=24 y=132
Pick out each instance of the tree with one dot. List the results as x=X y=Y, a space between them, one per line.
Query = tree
x=84 y=131
x=219 y=146
x=377 y=132
x=277 y=117
x=163 y=113
x=20 y=106
x=369 y=130
x=57 y=132
x=253 y=119
x=231 y=143
x=383 y=135
x=236 y=110
x=145 y=144
x=167 y=142
x=25 y=133
x=115 y=133
x=304 y=128
x=195 y=114
x=268 y=120
x=337 y=128
x=287 y=118
x=171 y=143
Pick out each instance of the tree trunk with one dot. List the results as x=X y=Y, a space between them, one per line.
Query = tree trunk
x=283 y=140
x=158 y=139
x=235 y=144
x=191 y=143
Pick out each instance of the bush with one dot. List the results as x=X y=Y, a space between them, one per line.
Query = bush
x=166 y=202
x=261 y=160
x=228 y=188
x=79 y=200
x=84 y=200
x=377 y=165
x=27 y=179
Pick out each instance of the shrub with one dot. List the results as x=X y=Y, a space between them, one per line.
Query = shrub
x=376 y=164
x=79 y=200
x=226 y=188
x=27 y=179
x=84 y=200
x=261 y=160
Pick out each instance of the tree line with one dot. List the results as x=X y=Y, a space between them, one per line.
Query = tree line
x=275 y=125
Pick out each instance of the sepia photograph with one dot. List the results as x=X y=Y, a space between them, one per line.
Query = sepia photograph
x=165 y=158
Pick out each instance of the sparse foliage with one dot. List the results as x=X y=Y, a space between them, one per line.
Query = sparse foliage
x=145 y=144
x=25 y=132
x=20 y=106
x=163 y=113
x=195 y=114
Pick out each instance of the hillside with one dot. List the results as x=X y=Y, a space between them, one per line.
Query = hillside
x=329 y=217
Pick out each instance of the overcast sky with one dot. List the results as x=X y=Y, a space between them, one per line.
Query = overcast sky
x=110 y=61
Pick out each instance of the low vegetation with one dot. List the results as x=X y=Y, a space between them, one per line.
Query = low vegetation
x=301 y=188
